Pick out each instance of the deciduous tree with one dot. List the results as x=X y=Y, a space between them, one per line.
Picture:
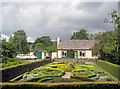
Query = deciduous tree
x=19 y=38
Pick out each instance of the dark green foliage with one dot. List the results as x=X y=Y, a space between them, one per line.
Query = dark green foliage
x=108 y=46
x=76 y=85
x=20 y=41
x=8 y=49
x=6 y=59
x=70 y=53
x=10 y=62
x=110 y=67
x=45 y=40
x=8 y=73
x=81 y=35
x=44 y=43
x=82 y=78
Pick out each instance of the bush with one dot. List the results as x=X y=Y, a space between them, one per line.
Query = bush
x=72 y=85
x=41 y=68
x=29 y=76
x=70 y=53
x=83 y=75
x=11 y=72
x=70 y=65
x=103 y=78
x=4 y=59
x=110 y=67
x=18 y=77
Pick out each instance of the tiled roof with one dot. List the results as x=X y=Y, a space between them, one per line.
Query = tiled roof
x=76 y=44
x=38 y=50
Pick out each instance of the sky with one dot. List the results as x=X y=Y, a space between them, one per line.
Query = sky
x=55 y=18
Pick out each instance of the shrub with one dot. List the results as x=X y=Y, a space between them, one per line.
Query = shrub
x=11 y=72
x=72 y=85
x=6 y=59
x=88 y=63
x=103 y=78
x=110 y=67
x=28 y=76
x=70 y=65
x=41 y=68
x=81 y=78
x=18 y=77
x=70 y=53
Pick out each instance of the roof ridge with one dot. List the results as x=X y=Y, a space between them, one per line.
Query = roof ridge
x=78 y=39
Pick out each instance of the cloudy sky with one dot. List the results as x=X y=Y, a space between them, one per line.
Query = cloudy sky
x=54 y=19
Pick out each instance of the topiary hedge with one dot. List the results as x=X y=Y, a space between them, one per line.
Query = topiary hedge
x=72 y=85
x=110 y=67
x=16 y=70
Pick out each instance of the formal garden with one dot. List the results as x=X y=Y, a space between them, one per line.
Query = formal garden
x=53 y=72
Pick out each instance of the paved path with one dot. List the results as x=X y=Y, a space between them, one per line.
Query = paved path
x=67 y=75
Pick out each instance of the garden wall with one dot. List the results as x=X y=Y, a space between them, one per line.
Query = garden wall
x=72 y=85
x=12 y=72
x=75 y=60
x=110 y=67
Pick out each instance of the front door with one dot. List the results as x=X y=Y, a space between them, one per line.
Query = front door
x=38 y=55
x=75 y=54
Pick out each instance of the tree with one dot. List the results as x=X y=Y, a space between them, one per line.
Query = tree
x=39 y=46
x=8 y=49
x=48 y=45
x=19 y=38
x=81 y=35
x=53 y=47
x=45 y=40
x=108 y=45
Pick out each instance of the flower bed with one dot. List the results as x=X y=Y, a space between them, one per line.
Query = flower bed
x=81 y=71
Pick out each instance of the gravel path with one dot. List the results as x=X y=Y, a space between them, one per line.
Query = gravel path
x=67 y=75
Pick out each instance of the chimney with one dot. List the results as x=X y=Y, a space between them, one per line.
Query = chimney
x=58 y=40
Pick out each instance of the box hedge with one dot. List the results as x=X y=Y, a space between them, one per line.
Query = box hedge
x=110 y=67
x=16 y=70
x=71 y=85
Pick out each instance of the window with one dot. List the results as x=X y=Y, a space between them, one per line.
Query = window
x=64 y=53
x=82 y=53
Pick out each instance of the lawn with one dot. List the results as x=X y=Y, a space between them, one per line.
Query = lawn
x=53 y=72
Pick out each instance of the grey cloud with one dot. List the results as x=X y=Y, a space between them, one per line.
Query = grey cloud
x=55 y=19
x=89 y=5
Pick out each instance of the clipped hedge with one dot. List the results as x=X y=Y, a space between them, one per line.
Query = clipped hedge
x=110 y=67
x=72 y=85
x=14 y=71
x=35 y=79
x=81 y=78
x=18 y=77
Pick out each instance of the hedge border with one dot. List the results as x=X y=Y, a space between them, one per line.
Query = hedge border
x=63 y=85
x=113 y=69
x=14 y=71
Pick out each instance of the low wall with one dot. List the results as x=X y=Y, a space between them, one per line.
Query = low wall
x=75 y=60
x=12 y=72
